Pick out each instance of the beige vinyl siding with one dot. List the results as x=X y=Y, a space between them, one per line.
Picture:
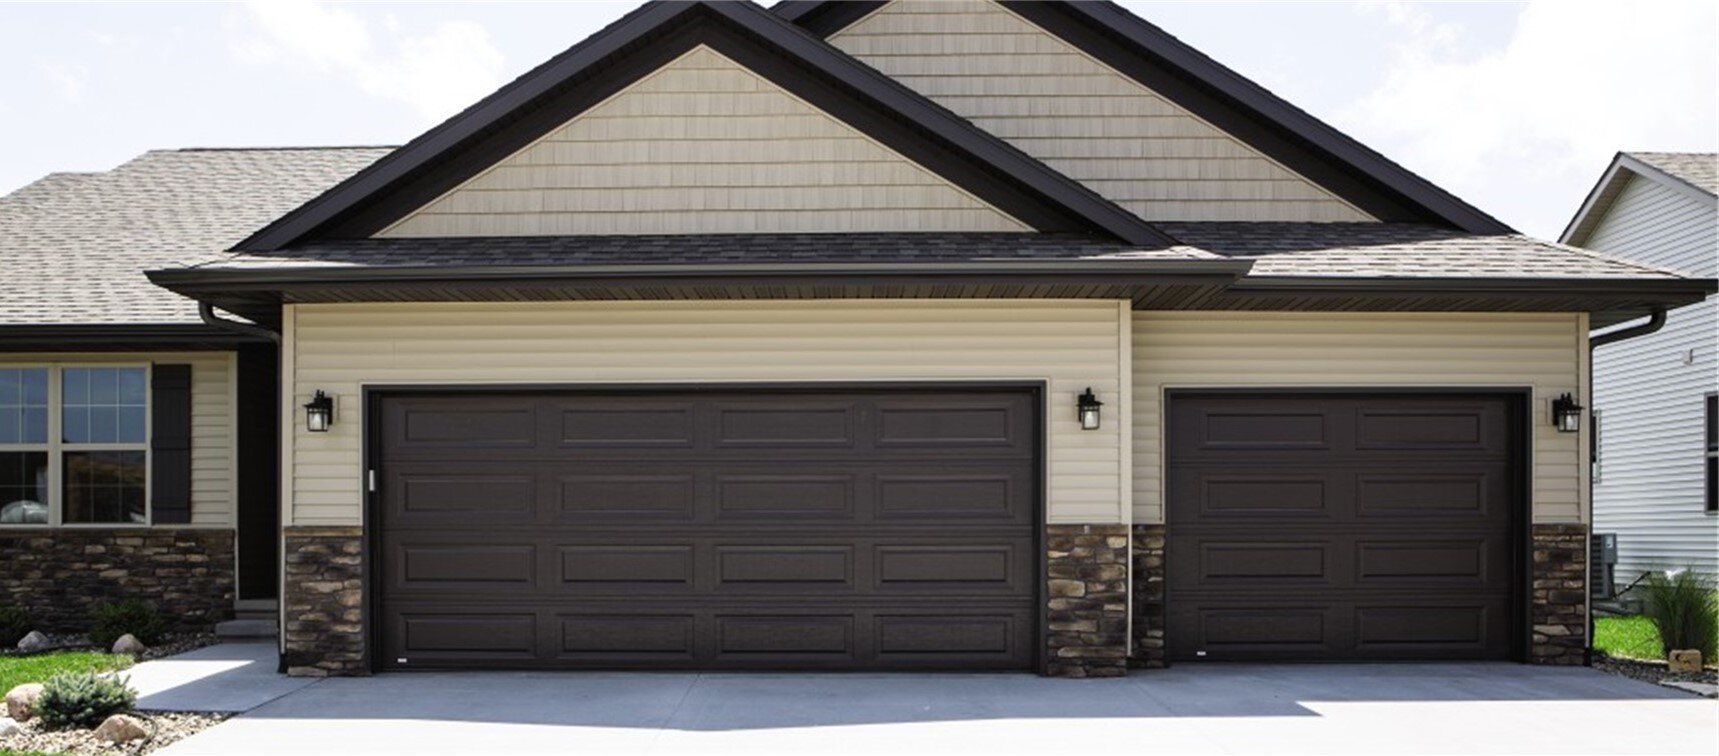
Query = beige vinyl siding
x=213 y=421
x=702 y=146
x=1062 y=106
x=1650 y=390
x=1544 y=352
x=1071 y=344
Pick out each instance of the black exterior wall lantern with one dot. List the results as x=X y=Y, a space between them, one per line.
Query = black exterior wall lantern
x=1566 y=414
x=1086 y=408
x=319 y=413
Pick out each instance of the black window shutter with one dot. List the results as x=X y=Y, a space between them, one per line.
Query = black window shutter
x=170 y=444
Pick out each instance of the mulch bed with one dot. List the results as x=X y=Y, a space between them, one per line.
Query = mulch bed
x=1652 y=671
x=165 y=728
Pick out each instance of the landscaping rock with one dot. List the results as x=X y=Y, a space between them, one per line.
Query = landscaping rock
x=129 y=645
x=121 y=728
x=1686 y=660
x=7 y=727
x=21 y=701
x=35 y=641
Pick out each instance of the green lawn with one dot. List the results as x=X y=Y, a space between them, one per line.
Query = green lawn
x=1632 y=636
x=17 y=670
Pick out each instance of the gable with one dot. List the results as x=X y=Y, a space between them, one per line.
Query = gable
x=1055 y=102
x=1651 y=222
x=702 y=145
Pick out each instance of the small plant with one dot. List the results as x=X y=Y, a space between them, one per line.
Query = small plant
x=83 y=699
x=1685 y=608
x=126 y=616
x=14 y=625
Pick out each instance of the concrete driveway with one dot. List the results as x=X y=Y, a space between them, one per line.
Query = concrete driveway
x=1324 y=709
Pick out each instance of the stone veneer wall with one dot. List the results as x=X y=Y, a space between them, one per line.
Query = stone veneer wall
x=323 y=602
x=59 y=575
x=1086 y=631
x=1148 y=597
x=1560 y=600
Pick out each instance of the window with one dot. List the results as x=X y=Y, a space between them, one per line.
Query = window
x=1713 y=452
x=74 y=445
x=1594 y=472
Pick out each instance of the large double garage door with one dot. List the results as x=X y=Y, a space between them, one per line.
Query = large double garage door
x=707 y=529
x=1317 y=527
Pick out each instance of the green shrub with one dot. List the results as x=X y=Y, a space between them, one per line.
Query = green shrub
x=126 y=616
x=1685 y=608
x=14 y=625
x=83 y=699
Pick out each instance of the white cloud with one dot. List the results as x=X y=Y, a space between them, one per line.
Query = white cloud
x=436 y=73
x=68 y=79
x=1523 y=131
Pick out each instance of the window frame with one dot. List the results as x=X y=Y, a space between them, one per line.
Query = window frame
x=56 y=447
x=1709 y=452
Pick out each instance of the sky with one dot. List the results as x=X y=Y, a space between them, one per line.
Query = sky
x=1517 y=107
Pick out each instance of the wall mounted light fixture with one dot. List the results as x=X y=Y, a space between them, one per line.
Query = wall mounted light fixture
x=1086 y=407
x=319 y=413
x=1567 y=414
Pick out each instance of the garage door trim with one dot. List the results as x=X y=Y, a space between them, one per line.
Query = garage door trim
x=372 y=396
x=1521 y=417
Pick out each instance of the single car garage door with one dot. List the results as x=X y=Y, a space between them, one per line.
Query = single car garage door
x=1342 y=527
x=872 y=529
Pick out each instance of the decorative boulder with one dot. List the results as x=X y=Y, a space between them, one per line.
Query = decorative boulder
x=121 y=728
x=21 y=701
x=129 y=644
x=35 y=641
x=1685 y=660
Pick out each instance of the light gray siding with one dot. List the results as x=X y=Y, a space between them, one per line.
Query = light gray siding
x=702 y=146
x=1650 y=391
x=1081 y=117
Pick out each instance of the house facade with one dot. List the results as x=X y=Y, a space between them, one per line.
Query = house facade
x=1655 y=484
x=906 y=335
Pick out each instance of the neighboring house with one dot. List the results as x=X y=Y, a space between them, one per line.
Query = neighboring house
x=832 y=336
x=1655 y=462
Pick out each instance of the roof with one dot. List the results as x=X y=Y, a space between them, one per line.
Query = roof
x=1401 y=250
x=1219 y=95
x=73 y=246
x=643 y=40
x=1697 y=169
x=1693 y=174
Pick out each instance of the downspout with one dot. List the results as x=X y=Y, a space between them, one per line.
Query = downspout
x=1655 y=321
x=207 y=312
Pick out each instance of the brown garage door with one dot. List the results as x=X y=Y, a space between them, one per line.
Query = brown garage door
x=659 y=529
x=1342 y=527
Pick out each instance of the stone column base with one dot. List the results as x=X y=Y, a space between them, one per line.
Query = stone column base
x=323 y=602
x=1148 y=597
x=1086 y=632
x=1559 y=604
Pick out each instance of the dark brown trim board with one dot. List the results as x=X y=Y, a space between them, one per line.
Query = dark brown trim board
x=119 y=338
x=728 y=605
x=649 y=38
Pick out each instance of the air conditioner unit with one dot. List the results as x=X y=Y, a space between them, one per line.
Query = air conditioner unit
x=1602 y=566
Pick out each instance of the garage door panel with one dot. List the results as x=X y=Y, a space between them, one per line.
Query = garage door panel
x=1382 y=531
x=723 y=530
x=773 y=495
x=620 y=424
x=470 y=424
x=647 y=494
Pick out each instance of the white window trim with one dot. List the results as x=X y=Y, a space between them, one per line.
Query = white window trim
x=56 y=447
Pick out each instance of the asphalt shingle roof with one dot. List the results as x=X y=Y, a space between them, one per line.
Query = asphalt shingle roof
x=1399 y=250
x=73 y=246
x=1698 y=169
